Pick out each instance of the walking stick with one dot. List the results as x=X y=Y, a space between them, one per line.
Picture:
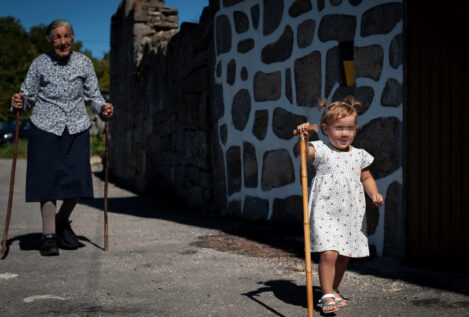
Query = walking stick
x=306 y=227
x=106 y=176
x=12 y=184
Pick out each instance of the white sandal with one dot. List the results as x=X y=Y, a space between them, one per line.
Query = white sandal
x=341 y=300
x=330 y=304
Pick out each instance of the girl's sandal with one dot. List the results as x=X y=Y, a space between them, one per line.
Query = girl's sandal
x=330 y=304
x=340 y=300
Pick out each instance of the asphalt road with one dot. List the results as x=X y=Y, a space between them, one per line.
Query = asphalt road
x=166 y=261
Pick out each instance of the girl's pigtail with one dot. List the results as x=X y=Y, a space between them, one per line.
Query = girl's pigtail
x=322 y=104
x=355 y=104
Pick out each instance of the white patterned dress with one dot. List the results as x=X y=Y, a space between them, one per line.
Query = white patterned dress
x=337 y=201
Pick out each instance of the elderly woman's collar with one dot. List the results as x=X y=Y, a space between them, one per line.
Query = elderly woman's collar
x=59 y=61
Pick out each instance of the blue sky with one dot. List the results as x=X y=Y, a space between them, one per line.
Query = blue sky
x=91 y=19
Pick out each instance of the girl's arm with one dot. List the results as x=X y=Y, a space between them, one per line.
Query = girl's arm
x=302 y=128
x=370 y=187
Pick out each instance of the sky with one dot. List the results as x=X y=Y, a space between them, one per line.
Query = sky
x=91 y=19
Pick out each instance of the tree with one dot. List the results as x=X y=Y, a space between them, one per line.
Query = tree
x=16 y=54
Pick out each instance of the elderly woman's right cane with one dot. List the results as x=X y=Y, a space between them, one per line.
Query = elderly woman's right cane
x=12 y=184
x=106 y=176
x=306 y=227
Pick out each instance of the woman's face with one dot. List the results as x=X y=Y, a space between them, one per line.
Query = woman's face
x=341 y=132
x=62 y=41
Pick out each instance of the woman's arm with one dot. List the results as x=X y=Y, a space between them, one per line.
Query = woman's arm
x=26 y=98
x=370 y=187
x=92 y=93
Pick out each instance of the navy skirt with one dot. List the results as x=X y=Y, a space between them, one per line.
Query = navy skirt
x=58 y=166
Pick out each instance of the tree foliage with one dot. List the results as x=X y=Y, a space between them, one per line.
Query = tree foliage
x=18 y=50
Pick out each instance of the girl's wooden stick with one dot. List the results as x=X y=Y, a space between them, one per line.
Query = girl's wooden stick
x=12 y=184
x=106 y=176
x=306 y=226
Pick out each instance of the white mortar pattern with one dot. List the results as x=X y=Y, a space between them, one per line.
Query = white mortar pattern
x=252 y=61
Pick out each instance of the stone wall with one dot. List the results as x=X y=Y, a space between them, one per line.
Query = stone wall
x=275 y=60
x=161 y=87
x=207 y=112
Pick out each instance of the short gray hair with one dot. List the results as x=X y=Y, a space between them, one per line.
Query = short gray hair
x=56 y=24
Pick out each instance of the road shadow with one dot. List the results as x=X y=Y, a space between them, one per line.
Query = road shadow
x=167 y=207
x=32 y=242
x=287 y=292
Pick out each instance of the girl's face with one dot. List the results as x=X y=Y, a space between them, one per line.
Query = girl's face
x=341 y=132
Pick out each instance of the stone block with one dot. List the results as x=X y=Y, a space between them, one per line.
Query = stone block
x=272 y=15
x=267 y=86
x=277 y=169
x=284 y=122
x=233 y=169
x=337 y=27
x=298 y=7
x=241 y=109
x=255 y=208
x=308 y=79
x=250 y=165
x=289 y=212
x=280 y=50
x=381 y=19
x=261 y=121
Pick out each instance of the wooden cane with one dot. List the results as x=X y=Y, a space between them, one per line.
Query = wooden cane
x=12 y=184
x=306 y=226
x=106 y=176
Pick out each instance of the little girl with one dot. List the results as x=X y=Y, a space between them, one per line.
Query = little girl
x=337 y=200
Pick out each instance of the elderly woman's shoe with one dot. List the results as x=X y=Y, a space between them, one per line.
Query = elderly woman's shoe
x=67 y=238
x=49 y=245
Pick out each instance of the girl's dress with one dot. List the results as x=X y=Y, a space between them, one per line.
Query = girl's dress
x=337 y=201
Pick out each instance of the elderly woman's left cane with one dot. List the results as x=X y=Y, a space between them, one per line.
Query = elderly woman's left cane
x=106 y=176
x=12 y=184
x=306 y=227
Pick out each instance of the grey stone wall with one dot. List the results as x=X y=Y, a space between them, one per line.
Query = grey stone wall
x=161 y=134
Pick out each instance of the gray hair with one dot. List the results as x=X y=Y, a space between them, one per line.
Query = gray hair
x=56 y=24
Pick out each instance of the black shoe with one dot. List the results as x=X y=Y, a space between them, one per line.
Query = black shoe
x=67 y=238
x=49 y=245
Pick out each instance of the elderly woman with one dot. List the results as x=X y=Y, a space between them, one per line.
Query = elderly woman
x=59 y=84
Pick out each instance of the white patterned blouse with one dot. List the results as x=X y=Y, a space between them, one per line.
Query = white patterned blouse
x=60 y=90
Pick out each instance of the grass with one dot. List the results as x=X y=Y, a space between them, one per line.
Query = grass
x=6 y=150
x=97 y=147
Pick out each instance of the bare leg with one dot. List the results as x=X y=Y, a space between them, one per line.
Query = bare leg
x=340 y=267
x=48 y=209
x=327 y=271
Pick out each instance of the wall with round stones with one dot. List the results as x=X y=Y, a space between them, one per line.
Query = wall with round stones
x=274 y=60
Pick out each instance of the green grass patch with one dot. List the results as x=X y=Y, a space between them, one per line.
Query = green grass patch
x=6 y=150
x=97 y=145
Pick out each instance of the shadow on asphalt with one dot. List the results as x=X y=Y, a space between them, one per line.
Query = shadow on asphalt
x=286 y=291
x=32 y=242
x=172 y=209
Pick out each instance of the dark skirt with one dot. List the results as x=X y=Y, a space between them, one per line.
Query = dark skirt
x=58 y=166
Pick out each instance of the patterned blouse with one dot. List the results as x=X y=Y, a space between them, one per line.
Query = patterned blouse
x=59 y=91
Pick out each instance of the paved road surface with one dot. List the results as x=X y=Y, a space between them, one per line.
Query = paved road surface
x=164 y=261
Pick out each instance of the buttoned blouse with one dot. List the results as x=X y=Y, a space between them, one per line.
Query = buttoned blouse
x=60 y=90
